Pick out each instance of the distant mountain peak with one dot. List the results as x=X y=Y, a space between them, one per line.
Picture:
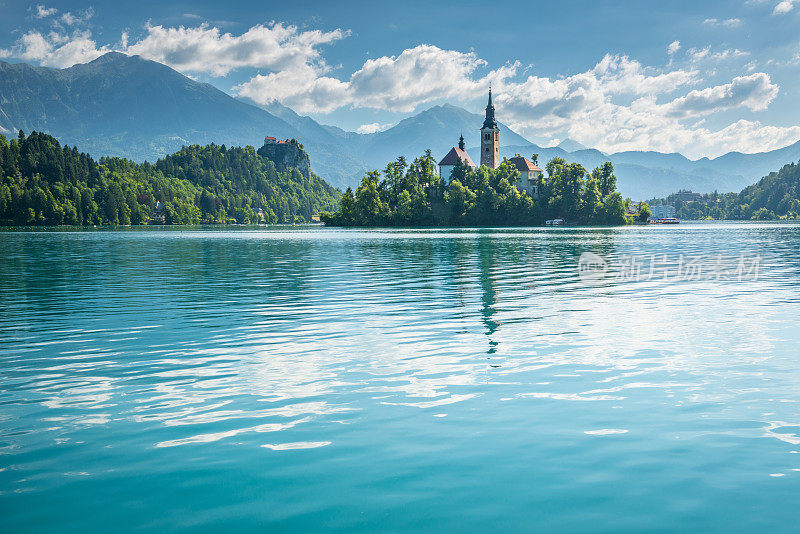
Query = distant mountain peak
x=571 y=146
x=111 y=56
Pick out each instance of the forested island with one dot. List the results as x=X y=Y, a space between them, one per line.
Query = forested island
x=774 y=197
x=412 y=194
x=43 y=183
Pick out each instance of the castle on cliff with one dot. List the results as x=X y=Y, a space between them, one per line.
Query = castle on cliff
x=529 y=172
x=286 y=154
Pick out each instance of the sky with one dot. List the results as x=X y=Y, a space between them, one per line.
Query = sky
x=699 y=78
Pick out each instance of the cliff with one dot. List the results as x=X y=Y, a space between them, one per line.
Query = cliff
x=287 y=154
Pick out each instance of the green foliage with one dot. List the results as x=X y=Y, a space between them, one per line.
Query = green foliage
x=414 y=195
x=42 y=183
x=643 y=212
x=776 y=196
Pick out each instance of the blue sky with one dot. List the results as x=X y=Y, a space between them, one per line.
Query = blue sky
x=701 y=78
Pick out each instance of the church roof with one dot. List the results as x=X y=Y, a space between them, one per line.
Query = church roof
x=523 y=165
x=454 y=155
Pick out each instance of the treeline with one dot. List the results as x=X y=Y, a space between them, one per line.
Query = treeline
x=413 y=195
x=43 y=183
x=774 y=197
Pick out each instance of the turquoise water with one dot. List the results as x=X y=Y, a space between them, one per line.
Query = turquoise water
x=315 y=379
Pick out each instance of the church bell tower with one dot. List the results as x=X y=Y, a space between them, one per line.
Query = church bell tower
x=490 y=138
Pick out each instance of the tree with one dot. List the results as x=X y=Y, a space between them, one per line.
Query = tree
x=591 y=198
x=554 y=166
x=369 y=206
x=613 y=211
x=459 y=171
x=643 y=212
x=460 y=199
x=606 y=178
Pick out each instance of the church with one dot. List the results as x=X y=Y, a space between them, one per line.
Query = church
x=529 y=172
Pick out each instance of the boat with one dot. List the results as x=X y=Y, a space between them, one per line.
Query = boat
x=554 y=222
x=663 y=220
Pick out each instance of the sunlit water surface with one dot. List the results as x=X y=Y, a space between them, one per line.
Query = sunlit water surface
x=309 y=379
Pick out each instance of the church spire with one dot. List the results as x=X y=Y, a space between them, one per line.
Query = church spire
x=490 y=122
x=490 y=137
x=461 y=141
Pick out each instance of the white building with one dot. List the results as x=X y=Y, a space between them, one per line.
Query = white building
x=449 y=162
x=529 y=175
x=662 y=211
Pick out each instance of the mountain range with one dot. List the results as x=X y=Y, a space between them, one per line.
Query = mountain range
x=127 y=106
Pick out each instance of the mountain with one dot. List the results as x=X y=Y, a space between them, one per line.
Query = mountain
x=126 y=106
x=642 y=174
x=571 y=146
x=437 y=128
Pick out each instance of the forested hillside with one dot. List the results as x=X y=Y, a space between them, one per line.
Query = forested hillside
x=776 y=196
x=43 y=183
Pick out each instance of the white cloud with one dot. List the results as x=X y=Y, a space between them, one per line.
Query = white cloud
x=206 y=49
x=43 y=12
x=373 y=128
x=784 y=7
x=583 y=108
x=755 y=92
x=728 y=23
x=396 y=83
x=419 y=75
x=619 y=104
x=701 y=54
x=291 y=54
x=302 y=89
x=673 y=48
x=56 y=50
x=70 y=20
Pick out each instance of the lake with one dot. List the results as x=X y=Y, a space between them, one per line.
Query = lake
x=310 y=379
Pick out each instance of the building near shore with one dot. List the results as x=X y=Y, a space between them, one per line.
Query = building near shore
x=662 y=211
x=688 y=196
x=449 y=162
x=529 y=175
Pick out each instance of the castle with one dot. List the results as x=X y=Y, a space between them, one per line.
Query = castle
x=529 y=172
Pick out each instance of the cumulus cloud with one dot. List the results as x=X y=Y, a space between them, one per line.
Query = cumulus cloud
x=44 y=12
x=373 y=128
x=205 y=49
x=396 y=83
x=755 y=92
x=583 y=107
x=201 y=49
x=56 y=50
x=784 y=7
x=673 y=48
x=302 y=89
x=618 y=104
x=70 y=20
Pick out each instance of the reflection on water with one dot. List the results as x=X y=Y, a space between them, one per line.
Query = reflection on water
x=311 y=379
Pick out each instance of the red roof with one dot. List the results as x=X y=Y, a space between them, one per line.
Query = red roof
x=523 y=165
x=270 y=139
x=454 y=155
